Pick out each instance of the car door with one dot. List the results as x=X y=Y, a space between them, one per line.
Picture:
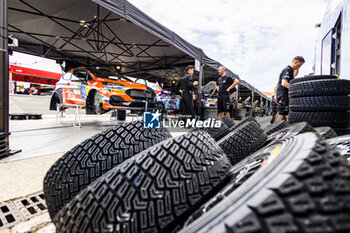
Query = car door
x=63 y=86
x=77 y=91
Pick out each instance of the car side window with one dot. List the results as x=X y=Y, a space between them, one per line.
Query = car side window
x=80 y=75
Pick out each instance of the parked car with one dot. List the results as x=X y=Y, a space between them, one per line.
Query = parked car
x=169 y=101
x=45 y=90
x=99 y=91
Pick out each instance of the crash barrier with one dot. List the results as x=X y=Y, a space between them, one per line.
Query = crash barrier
x=321 y=100
x=193 y=182
x=4 y=144
x=25 y=116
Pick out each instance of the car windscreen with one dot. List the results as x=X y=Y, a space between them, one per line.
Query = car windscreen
x=108 y=75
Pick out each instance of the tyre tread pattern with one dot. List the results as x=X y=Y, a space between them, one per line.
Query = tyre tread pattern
x=275 y=127
x=150 y=192
x=312 y=78
x=93 y=157
x=320 y=103
x=216 y=132
x=243 y=141
x=320 y=88
x=332 y=119
x=313 y=197
x=326 y=132
x=228 y=121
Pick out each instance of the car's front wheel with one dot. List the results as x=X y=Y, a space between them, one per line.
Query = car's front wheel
x=94 y=104
x=98 y=104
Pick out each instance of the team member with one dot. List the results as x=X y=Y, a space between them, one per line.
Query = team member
x=224 y=85
x=285 y=77
x=273 y=109
x=186 y=87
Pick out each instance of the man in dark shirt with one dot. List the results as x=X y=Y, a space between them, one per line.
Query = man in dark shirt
x=186 y=88
x=224 y=85
x=285 y=77
x=273 y=109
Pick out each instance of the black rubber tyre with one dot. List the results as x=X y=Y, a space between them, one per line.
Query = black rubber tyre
x=228 y=121
x=239 y=173
x=275 y=127
x=332 y=119
x=326 y=132
x=247 y=119
x=154 y=191
x=320 y=103
x=216 y=133
x=302 y=187
x=342 y=131
x=243 y=141
x=87 y=161
x=320 y=88
x=290 y=131
x=313 y=77
x=342 y=145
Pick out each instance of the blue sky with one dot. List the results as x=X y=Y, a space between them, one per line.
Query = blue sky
x=255 y=39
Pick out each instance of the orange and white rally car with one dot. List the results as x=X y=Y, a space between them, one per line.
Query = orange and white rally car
x=100 y=90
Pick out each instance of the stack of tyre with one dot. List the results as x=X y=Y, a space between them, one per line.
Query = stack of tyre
x=321 y=101
x=226 y=179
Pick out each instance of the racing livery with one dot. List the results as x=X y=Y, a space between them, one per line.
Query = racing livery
x=100 y=90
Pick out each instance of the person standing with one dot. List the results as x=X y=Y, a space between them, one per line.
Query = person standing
x=224 y=85
x=285 y=77
x=273 y=109
x=186 y=88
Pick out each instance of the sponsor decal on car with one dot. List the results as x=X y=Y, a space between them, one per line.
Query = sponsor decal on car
x=115 y=91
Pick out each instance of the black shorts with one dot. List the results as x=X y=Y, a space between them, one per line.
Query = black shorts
x=283 y=105
x=224 y=103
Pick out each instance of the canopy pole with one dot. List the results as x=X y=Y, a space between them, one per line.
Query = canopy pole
x=237 y=92
x=200 y=83
x=4 y=69
x=252 y=105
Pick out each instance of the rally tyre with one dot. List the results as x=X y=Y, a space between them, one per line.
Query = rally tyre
x=326 y=132
x=302 y=187
x=290 y=131
x=247 y=119
x=243 y=141
x=93 y=157
x=332 y=119
x=228 y=121
x=154 y=191
x=216 y=132
x=342 y=145
x=275 y=127
x=312 y=78
x=320 y=88
x=97 y=104
x=320 y=103
x=342 y=131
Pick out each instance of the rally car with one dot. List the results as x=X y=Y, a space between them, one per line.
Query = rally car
x=100 y=90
